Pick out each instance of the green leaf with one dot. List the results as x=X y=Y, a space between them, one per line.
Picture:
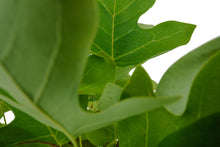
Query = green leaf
x=3 y=108
x=134 y=130
x=42 y=61
x=110 y=96
x=127 y=43
x=178 y=80
x=98 y=72
x=203 y=99
x=122 y=75
x=205 y=132
x=101 y=136
x=26 y=131
x=139 y=84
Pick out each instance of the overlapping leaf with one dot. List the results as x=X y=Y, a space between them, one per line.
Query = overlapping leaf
x=42 y=61
x=203 y=95
x=127 y=43
x=98 y=72
x=139 y=84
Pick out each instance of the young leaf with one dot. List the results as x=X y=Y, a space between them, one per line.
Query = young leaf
x=178 y=80
x=120 y=37
x=25 y=130
x=203 y=99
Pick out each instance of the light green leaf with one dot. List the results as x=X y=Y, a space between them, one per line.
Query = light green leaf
x=205 y=132
x=26 y=131
x=43 y=57
x=98 y=72
x=127 y=43
x=178 y=80
x=203 y=99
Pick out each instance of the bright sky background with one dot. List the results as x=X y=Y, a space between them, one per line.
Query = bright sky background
x=203 y=13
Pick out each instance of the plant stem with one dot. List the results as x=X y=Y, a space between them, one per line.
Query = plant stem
x=72 y=139
x=80 y=141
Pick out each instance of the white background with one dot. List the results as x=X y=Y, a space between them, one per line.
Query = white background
x=203 y=13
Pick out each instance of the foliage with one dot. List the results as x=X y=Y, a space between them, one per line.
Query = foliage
x=64 y=74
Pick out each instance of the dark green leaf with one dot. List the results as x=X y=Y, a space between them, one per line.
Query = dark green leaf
x=127 y=43
x=203 y=133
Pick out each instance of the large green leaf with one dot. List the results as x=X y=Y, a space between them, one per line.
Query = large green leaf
x=127 y=43
x=26 y=131
x=43 y=56
x=203 y=99
x=178 y=80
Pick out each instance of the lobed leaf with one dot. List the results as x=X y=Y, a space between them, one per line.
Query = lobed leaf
x=128 y=43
